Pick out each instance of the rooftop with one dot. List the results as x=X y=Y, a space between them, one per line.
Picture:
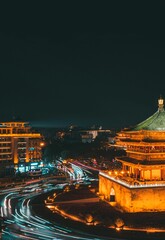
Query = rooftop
x=155 y=122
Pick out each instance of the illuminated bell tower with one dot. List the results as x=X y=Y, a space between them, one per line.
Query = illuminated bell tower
x=140 y=186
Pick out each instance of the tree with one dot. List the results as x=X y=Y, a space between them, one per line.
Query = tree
x=119 y=223
x=89 y=218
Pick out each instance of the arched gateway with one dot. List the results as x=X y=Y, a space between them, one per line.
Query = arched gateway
x=112 y=195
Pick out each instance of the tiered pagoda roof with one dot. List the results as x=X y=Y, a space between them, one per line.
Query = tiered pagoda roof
x=156 y=122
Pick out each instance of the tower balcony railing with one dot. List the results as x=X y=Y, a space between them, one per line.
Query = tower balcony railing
x=143 y=151
x=131 y=182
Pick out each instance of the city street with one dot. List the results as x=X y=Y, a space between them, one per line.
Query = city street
x=22 y=223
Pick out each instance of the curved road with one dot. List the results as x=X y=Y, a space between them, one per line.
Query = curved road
x=23 y=224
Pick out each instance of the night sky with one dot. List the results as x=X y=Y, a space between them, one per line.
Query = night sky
x=81 y=62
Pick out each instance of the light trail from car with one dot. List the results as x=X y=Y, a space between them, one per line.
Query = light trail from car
x=30 y=226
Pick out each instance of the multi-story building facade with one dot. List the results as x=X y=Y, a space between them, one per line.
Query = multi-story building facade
x=140 y=185
x=20 y=147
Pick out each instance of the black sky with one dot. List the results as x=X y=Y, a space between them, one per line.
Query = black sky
x=82 y=63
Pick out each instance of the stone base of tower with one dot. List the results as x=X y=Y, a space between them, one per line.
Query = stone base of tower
x=130 y=199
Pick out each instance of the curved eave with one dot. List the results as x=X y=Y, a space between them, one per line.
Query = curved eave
x=137 y=162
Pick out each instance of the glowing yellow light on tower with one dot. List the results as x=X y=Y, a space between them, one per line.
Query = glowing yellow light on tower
x=42 y=144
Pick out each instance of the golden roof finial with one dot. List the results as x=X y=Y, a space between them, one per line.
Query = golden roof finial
x=160 y=103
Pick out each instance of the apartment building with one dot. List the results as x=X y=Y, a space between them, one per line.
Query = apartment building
x=20 y=147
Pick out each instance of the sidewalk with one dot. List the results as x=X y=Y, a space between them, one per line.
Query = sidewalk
x=85 y=200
